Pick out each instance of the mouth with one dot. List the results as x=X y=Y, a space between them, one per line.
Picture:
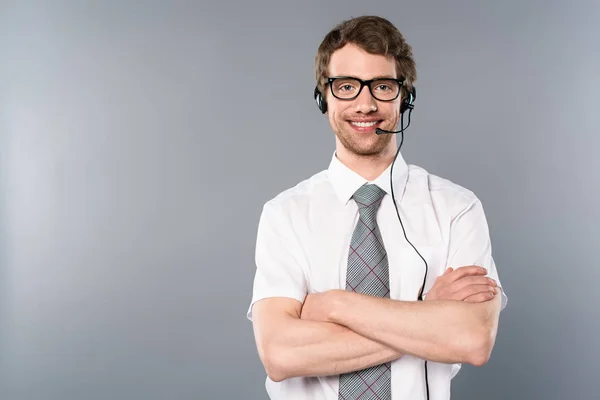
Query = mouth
x=364 y=126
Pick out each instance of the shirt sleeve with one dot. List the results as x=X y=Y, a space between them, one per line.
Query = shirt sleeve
x=470 y=243
x=280 y=262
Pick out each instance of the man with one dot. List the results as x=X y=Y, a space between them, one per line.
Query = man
x=335 y=307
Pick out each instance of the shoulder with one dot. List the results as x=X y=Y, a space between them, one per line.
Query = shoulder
x=295 y=199
x=441 y=192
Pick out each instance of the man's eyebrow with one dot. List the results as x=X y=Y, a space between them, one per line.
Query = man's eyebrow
x=383 y=77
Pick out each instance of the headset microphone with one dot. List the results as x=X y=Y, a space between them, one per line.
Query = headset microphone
x=383 y=131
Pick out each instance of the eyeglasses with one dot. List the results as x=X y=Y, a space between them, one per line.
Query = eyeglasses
x=348 y=88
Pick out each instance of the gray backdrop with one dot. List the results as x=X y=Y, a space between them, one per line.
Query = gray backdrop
x=139 y=141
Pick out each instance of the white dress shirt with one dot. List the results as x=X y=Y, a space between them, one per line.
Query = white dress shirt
x=302 y=247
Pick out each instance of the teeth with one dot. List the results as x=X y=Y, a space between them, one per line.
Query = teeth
x=363 y=124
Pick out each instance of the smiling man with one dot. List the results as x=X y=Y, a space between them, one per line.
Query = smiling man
x=374 y=278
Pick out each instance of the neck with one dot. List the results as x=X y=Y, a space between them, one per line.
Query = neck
x=367 y=166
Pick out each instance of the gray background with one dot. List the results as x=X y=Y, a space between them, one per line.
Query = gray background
x=139 y=141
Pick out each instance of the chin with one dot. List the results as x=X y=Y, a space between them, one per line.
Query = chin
x=366 y=150
x=365 y=146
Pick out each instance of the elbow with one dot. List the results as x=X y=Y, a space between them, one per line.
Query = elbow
x=275 y=370
x=482 y=336
x=274 y=363
x=479 y=358
x=479 y=349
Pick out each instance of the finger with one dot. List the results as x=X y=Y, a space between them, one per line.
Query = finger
x=440 y=279
x=479 y=297
x=466 y=271
x=473 y=290
x=462 y=283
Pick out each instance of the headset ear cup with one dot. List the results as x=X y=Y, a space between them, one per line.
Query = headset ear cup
x=321 y=103
x=408 y=102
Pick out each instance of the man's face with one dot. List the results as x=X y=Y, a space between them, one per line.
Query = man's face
x=348 y=117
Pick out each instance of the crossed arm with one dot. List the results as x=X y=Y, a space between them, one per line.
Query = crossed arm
x=337 y=331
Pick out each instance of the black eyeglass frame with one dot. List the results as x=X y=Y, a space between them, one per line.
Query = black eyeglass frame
x=367 y=83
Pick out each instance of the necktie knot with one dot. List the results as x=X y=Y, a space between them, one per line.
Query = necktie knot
x=368 y=196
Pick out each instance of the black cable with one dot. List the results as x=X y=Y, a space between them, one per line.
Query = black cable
x=420 y=297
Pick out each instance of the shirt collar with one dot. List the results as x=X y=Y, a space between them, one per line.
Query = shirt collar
x=345 y=181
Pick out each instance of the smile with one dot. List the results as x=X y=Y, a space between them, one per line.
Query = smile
x=364 y=124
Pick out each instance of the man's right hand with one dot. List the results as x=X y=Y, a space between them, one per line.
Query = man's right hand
x=467 y=283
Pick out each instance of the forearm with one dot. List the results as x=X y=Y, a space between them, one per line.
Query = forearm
x=310 y=348
x=442 y=331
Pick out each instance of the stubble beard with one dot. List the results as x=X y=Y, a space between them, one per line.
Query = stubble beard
x=363 y=144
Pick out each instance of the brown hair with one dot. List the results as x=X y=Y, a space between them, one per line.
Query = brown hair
x=376 y=35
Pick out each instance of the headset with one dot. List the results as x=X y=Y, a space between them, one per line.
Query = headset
x=407 y=104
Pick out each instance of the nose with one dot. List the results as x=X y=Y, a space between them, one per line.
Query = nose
x=365 y=103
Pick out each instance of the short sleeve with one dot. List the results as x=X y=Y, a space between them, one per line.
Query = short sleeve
x=280 y=262
x=470 y=242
